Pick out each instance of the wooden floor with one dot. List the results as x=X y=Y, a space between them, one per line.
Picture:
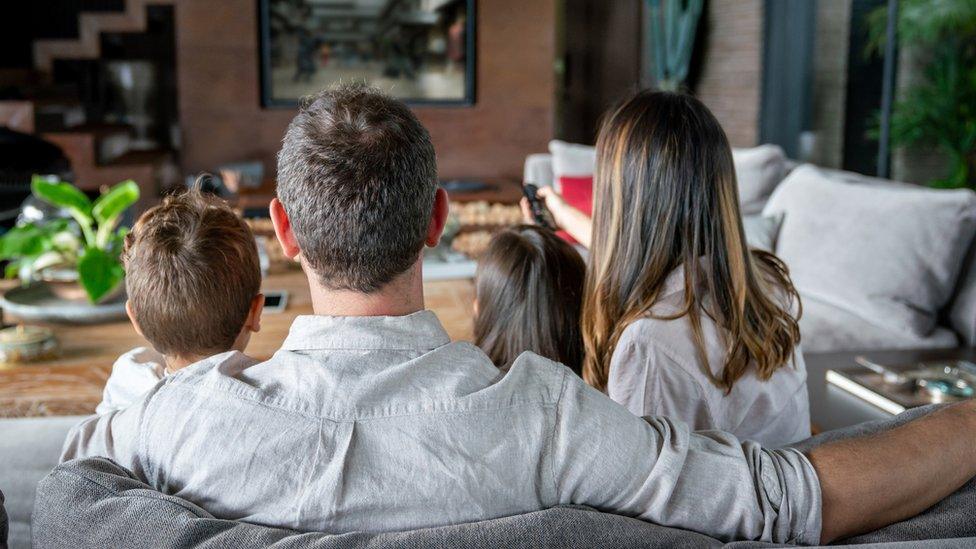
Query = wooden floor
x=72 y=384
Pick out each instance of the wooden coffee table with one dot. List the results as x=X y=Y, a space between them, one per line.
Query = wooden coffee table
x=832 y=408
x=73 y=383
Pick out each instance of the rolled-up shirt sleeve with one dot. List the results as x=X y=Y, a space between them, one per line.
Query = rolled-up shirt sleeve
x=656 y=469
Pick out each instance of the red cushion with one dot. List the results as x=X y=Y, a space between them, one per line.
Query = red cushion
x=578 y=192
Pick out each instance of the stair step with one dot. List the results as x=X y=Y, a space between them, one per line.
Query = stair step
x=92 y=144
x=17 y=115
x=90 y=27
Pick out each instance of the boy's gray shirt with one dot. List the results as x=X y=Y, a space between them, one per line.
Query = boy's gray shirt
x=382 y=423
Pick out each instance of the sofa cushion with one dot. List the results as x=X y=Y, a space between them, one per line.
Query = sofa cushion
x=826 y=327
x=761 y=231
x=962 y=309
x=571 y=159
x=95 y=503
x=29 y=449
x=758 y=170
x=889 y=254
x=3 y=523
x=538 y=170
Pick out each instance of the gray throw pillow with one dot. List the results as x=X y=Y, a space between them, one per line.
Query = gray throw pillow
x=890 y=254
x=758 y=171
x=761 y=231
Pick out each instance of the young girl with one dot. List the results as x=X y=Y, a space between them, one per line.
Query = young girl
x=528 y=297
x=680 y=318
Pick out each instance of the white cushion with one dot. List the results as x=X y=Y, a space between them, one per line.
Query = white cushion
x=962 y=310
x=888 y=253
x=826 y=328
x=761 y=231
x=572 y=160
x=758 y=170
x=538 y=170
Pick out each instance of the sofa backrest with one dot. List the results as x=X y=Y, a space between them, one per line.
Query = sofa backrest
x=961 y=312
x=29 y=449
x=96 y=503
x=3 y=524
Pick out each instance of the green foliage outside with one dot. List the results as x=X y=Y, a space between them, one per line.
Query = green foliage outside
x=940 y=109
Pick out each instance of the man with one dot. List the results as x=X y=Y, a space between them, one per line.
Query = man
x=370 y=419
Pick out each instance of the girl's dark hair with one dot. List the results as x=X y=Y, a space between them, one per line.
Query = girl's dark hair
x=529 y=288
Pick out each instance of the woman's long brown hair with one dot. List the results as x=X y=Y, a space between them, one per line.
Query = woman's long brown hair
x=665 y=196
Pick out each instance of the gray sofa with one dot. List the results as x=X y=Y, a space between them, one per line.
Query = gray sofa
x=29 y=449
x=95 y=503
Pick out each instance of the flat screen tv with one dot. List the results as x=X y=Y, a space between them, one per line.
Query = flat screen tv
x=421 y=51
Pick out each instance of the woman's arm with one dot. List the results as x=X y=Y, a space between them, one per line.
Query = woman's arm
x=576 y=223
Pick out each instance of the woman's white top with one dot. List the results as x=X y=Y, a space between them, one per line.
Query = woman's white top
x=656 y=370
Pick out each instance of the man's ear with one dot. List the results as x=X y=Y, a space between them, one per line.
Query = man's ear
x=132 y=317
x=282 y=228
x=253 y=322
x=438 y=217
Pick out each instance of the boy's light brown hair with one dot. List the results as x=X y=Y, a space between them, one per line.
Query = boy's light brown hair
x=192 y=271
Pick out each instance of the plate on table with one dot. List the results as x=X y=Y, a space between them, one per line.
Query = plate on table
x=36 y=303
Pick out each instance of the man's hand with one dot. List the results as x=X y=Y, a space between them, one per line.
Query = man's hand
x=870 y=482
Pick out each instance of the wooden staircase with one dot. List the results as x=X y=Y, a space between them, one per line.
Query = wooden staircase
x=90 y=28
x=100 y=153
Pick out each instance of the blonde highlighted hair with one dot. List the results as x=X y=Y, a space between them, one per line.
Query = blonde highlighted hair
x=665 y=196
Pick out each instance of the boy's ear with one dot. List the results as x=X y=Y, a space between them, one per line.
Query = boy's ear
x=253 y=322
x=438 y=217
x=132 y=317
x=283 y=230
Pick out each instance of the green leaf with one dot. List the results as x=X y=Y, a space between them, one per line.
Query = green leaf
x=62 y=194
x=66 y=195
x=11 y=270
x=99 y=273
x=110 y=205
x=24 y=240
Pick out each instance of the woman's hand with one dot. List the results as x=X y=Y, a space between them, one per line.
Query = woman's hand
x=576 y=223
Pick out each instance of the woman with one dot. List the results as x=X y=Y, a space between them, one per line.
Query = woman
x=680 y=318
x=528 y=296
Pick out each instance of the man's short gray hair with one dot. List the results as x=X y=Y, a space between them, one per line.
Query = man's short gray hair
x=357 y=176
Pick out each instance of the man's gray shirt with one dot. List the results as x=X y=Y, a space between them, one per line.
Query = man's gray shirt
x=382 y=423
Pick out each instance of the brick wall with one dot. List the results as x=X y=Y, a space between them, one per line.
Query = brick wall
x=730 y=79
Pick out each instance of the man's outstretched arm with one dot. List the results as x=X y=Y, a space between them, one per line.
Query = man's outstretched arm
x=870 y=482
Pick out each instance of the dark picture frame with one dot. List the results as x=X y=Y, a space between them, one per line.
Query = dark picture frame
x=268 y=100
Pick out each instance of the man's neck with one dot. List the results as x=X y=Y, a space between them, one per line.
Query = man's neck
x=402 y=296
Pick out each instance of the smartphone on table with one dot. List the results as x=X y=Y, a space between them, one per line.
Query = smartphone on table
x=275 y=301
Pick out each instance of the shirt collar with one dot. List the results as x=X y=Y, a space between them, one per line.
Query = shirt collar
x=675 y=281
x=417 y=331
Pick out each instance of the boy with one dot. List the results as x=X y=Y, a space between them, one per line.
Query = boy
x=193 y=281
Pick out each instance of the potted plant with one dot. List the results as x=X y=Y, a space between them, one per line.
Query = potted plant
x=77 y=257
